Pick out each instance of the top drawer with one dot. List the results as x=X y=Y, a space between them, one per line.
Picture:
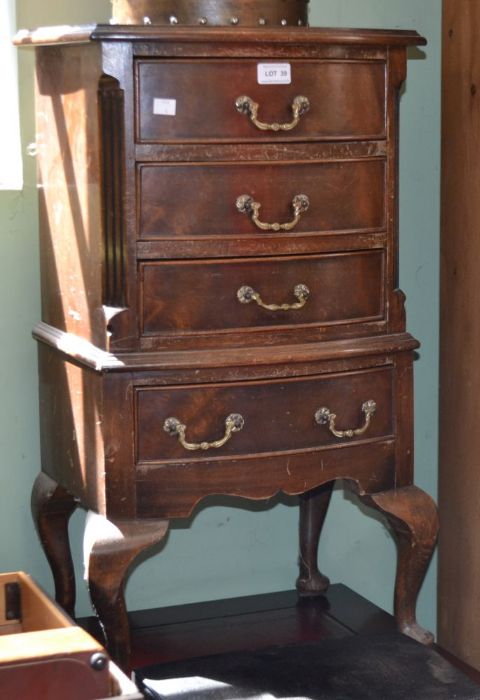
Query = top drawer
x=186 y=101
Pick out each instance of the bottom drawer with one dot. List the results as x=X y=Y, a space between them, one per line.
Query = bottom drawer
x=257 y=438
x=298 y=430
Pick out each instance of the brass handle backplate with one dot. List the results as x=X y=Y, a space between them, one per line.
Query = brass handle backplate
x=233 y=424
x=246 y=205
x=245 y=105
x=324 y=417
x=246 y=295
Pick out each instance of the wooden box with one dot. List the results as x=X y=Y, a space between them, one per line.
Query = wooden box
x=44 y=655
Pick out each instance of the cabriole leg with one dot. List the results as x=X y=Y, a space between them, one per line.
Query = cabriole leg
x=413 y=517
x=313 y=509
x=52 y=507
x=110 y=549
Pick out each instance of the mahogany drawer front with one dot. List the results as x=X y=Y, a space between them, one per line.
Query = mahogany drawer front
x=278 y=415
x=198 y=296
x=184 y=201
x=197 y=100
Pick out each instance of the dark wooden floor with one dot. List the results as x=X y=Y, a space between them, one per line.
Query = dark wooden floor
x=254 y=622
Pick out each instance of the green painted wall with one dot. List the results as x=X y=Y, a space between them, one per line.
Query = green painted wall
x=230 y=550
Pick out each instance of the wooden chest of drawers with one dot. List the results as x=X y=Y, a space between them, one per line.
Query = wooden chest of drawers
x=219 y=288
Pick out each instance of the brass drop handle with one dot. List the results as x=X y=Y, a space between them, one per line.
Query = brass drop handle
x=246 y=205
x=246 y=295
x=245 y=105
x=324 y=417
x=233 y=424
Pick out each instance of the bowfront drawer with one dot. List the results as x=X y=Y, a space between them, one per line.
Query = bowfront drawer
x=256 y=439
x=241 y=100
x=251 y=199
x=215 y=296
x=231 y=420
